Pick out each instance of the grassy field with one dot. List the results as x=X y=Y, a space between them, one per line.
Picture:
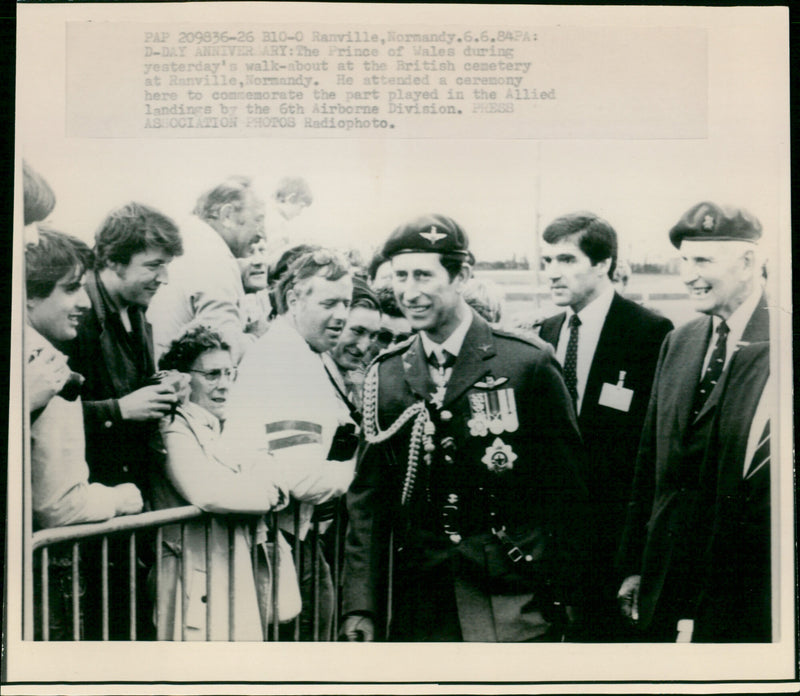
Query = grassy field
x=524 y=298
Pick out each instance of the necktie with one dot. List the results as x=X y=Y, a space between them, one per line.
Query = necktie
x=761 y=456
x=571 y=359
x=714 y=369
x=448 y=360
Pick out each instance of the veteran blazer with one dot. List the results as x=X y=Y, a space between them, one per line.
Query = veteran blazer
x=524 y=478
x=734 y=598
x=629 y=342
x=659 y=540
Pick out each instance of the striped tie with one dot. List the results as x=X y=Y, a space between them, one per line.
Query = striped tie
x=761 y=456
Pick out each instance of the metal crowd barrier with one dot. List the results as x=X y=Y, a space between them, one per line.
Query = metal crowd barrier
x=119 y=536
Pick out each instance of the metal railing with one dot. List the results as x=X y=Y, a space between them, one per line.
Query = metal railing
x=64 y=554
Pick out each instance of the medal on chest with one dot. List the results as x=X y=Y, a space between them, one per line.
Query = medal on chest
x=492 y=409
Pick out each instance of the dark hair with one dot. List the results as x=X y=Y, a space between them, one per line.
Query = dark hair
x=325 y=262
x=134 y=228
x=452 y=264
x=388 y=303
x=294 y=186
x=195 y=341
x=232 y=190
x=38 y=198
x=53 y=257
x=363 y=296
x=597 y=239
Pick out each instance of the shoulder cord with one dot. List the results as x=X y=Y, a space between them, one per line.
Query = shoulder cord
x=421 y=431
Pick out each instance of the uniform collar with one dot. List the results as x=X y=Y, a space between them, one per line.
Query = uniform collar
x=452 y=344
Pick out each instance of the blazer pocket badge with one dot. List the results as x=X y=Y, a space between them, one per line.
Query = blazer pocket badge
x=616 y=396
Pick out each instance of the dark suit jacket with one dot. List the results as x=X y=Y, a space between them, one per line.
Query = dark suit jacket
x=117 y=451
x=540 y=499
x=666 y=512
x=734 y=600
x=630 y=341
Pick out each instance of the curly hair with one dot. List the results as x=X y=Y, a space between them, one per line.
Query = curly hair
x=195 y=341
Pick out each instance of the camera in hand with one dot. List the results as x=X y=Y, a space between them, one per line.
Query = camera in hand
x=344 y=444
x=72 y=388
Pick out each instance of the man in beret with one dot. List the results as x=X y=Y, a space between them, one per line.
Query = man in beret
x=674 y=516
x=467 y=511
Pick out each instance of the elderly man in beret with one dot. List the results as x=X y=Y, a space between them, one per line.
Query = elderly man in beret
x=467 y=510
x=676 y=515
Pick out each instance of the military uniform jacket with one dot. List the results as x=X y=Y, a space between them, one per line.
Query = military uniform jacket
x=667 y=520
x=524 y=479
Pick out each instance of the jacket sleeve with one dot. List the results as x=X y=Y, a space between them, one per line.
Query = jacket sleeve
x=561 y=457
x=211 y=485
x=629 y=558
x=369 y=509
x=61 y=492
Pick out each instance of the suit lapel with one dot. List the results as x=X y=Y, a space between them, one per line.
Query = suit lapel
x=112 y=358
x=689 y=364
x=609 y=347
x=471 y=364
x=551 y=329
x=756 y=331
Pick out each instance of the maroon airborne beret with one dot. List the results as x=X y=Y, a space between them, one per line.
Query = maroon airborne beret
x=428 y=234
x=711 y=222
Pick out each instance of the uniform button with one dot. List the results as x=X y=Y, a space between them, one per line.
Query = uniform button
x=125 y=468
x=446 y=415
x=107 y=424
x=448 y=458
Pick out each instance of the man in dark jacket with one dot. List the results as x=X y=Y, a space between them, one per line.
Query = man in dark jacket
x=467 y=513
x=670 y=523
x=114 y=353
x=608 y=347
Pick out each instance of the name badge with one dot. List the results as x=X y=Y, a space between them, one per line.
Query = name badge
x=616 y=396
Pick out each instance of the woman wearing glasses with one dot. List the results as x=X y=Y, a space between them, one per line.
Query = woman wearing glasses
x=198 y=476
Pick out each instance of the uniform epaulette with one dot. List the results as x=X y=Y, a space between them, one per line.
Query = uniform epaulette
x=530 y=339
x=392 y=350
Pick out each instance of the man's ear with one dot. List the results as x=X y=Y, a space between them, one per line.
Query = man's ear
x=226 y=215
x=603 y=266
x=291 y=298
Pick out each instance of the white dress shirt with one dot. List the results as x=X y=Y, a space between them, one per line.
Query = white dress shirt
x=592 y=317
x=452 y=344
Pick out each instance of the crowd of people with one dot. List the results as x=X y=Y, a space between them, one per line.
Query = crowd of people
x=600 y=476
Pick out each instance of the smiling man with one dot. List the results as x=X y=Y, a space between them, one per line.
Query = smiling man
x=471 y=460
x=114 y=352
x=348 y=359
x=672 y=515
x=608 y=347
x=284 y=413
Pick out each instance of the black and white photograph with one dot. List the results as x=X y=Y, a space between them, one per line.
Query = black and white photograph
x=432 y=328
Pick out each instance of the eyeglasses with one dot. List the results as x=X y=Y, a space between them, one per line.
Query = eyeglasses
x=214 y=376
x=388 y=338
